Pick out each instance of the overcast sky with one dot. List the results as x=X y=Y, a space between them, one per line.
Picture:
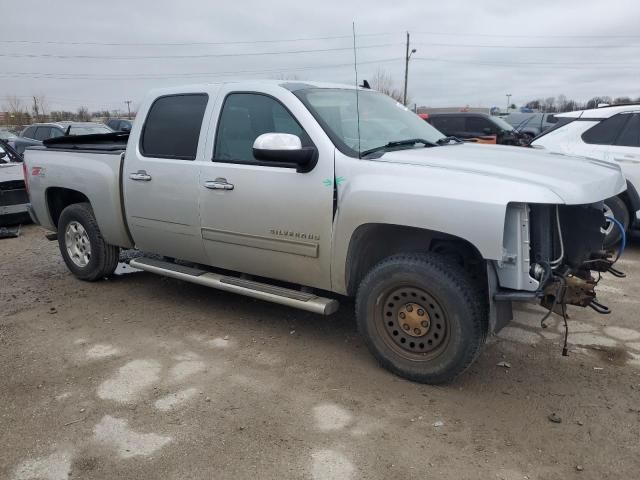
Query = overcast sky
x=77 y=52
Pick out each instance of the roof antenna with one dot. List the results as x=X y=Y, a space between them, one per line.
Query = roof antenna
x=355 y=68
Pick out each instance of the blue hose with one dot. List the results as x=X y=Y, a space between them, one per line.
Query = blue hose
x=624 y=236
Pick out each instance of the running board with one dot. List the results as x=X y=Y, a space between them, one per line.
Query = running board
x=262 y=291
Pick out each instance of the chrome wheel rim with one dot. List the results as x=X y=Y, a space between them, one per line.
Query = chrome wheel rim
x=608 y=225
x=78 y=244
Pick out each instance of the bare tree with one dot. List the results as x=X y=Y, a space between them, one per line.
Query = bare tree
x=383 y=83
x=621 y=100
x=39 y=107
x=83 y=114
x=18 y=114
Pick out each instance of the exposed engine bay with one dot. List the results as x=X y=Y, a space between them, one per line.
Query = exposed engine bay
x=566 y=252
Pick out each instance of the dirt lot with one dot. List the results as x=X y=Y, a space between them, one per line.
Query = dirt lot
x=145 y=377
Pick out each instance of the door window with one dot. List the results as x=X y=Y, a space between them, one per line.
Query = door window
x=172 y=127
x=246 y=116
x=29 y=132
x=449 y=125
x=605 y=132
x=42 y=133
x=478 y=125
x=630 y=136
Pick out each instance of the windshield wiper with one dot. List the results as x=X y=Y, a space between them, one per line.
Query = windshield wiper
x=448 y=140
x=399 y=143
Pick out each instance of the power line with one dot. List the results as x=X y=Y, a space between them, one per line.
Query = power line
x=180 y=44
x=580 y=65
x=537 y=47
x=202 y=55
x=507 y=35
x=83 y=76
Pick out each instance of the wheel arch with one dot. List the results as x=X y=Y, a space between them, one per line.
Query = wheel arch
x=59 y=198
x=372 y=242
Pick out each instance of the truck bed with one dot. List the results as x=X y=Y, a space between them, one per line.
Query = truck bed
x=89 y=166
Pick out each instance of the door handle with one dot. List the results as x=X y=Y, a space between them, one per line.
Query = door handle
x=218 y=184
x=140 y=176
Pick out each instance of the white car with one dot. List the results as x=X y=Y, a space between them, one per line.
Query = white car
x=608 y=133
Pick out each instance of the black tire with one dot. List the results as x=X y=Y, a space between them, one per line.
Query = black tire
x=103 y=257
x=620 y=213
x=454 y=307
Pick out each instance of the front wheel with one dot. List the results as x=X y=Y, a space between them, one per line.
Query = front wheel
x=616 y=208
x=421 y=317
x=86 y=253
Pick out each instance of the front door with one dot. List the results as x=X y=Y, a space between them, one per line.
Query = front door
x=260 y=218
x=160 y=178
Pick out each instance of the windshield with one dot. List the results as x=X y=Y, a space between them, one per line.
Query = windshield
x=503 y=124
x=382 y=119
x=88 y=129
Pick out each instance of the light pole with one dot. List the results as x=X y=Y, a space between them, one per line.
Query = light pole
x=406 y=69
x=508 y=99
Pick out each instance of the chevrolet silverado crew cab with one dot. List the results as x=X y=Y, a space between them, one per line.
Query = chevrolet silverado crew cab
x=304 y=193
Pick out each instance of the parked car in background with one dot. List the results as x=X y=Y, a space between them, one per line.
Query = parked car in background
x=119 y=124
x=43 y=131
x=34 y=134
x=609 y=133
x=7 y=135
x=280 y=180
x=13 y=194
x=531 y=124
x=474 y=127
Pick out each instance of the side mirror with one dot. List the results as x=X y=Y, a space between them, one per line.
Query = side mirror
x=285 y=149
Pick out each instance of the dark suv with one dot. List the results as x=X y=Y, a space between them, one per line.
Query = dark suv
x=475 y=127
x=119 y=124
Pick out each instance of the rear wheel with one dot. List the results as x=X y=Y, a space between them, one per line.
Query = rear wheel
x=421 y=317
x=616 y=208
x=86 y=253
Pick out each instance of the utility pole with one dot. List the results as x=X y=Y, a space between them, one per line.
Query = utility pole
x=406 y=69
x=508 y=98
x=128 y=102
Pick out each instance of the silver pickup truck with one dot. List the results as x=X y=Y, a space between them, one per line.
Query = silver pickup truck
x=302 y=193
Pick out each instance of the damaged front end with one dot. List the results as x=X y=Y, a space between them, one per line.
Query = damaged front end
x=554 y=255
x=567 y=253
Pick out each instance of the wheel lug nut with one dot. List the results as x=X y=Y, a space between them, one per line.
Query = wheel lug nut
x=409 y=308
x=416 y=331
x=405 y=326
x=402 y=315
x=424 y=324
x=420 y=312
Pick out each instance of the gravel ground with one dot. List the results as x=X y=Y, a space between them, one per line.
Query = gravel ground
x=145 y=377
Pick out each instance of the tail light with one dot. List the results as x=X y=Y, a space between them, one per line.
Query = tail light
x=25 y=174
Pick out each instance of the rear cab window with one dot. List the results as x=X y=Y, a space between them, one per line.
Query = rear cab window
x=172 y=127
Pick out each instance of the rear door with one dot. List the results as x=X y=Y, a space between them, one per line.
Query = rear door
x=270 y=220
x=160 y=177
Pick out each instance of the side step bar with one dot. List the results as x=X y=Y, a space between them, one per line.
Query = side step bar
x=262 y=291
